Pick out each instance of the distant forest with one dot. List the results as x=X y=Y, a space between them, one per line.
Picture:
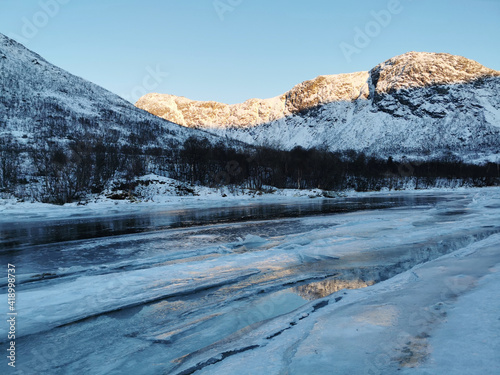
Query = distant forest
x=68 y=173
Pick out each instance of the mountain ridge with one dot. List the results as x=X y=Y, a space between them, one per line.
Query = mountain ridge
x=407 y=71
x=418 y=105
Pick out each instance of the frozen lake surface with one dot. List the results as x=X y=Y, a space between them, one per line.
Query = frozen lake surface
x=213 y=290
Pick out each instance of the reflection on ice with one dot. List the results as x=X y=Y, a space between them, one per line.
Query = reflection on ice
x=324 y=288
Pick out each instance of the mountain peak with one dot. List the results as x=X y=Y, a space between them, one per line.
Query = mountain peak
x=422 y=69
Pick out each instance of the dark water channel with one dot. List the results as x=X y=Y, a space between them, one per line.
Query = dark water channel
x=18 y=234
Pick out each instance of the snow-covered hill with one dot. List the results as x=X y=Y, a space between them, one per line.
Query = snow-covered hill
x=62 y=137
x=416 y=104
x=41 y=101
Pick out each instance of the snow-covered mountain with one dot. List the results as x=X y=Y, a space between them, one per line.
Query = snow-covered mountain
x=416 y=104
x=63 y=138
x=41 y=101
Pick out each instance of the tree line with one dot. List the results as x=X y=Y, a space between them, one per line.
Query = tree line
x=215 y=165
x=73 y=170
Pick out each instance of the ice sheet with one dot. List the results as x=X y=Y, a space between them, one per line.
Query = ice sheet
x=254 y=297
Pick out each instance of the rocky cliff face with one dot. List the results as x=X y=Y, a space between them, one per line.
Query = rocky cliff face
x=416 y=104
x=421 y=69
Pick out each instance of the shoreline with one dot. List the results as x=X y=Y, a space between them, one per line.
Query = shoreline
x=100 y=206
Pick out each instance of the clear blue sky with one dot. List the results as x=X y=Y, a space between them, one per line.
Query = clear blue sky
x=248 y=48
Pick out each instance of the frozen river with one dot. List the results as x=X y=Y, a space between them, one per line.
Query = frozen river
x=153 y=292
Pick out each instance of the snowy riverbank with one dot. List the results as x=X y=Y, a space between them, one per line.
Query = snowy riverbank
x=163 y=194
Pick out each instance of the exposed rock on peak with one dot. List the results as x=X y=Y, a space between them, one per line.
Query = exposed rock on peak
x=422 y=69
x=194 y=113
x=326 y=89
